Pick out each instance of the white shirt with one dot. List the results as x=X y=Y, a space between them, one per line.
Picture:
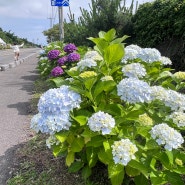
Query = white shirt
x=16 y=47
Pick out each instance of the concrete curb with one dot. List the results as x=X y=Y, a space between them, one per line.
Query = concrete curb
x=5 y=67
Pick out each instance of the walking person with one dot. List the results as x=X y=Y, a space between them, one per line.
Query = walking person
x=16 y=50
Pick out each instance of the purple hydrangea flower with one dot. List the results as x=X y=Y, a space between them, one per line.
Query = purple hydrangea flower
x=69 y=48
x=61 y=61
x=53 y=54
x=73 y=57
x=57 y=71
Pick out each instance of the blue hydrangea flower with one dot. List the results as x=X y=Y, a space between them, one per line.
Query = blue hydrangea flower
x=172 y=99
x=134 y=70
x=52 y=123
x=178 y=118
x=93 y=55
x=149 y=55
x=55 y=101
x=54 y=110
x=101 y=121
x=34 y=122
x=131 y=53
x=123 y=151
x=167 y=136
x=134 y=90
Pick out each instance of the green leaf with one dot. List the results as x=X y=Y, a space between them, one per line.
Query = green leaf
x=141 y=180
x=156 y=179
x=174 y=178
x=151 y=144
x=170 y=156
x=103 y=86
x=62 y=136
x=100 y=43
x=120 y=40
x=59 y=149
x=77 y=144
x=114 y=53
x=104 y=157
x=96 y=141
x=82 y=120
x=114 y=109
x=132 y=172
x=110 y=35
x=89 y=82
x=88 y=133
x=139 y=166
x=59 y=81
x=116 y=173
x=75 y=167
x=132 y=115
x=70 y=158
x=86 y=172
x=92 y=157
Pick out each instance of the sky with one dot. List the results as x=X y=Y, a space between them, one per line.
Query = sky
x=29 y=18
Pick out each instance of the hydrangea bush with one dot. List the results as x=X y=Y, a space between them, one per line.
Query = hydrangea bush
x=121 y=106
x=57 y=58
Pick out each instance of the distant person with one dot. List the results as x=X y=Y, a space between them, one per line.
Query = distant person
x=16 y=50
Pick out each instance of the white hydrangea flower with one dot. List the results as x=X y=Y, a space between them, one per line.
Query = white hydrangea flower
x=58 y=100
x=69 y=79
x=131 y=53
x=86 y=63
x=52 y=140
x=178 y=118
x=172 y=99
x=52 y=123
x=101 y=121
x=34 y=122
x=123 y=151
x=54 y=108
x=134 y=90
x=134 y=70
x=165 y=60
x=43 y=58
x=106 y=78
x=93 y=55
x=149 y=55
x=167 y=136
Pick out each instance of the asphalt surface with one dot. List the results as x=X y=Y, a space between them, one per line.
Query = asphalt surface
x=16 y=85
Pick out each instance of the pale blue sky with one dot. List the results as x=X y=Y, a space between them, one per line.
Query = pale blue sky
x=29 y=18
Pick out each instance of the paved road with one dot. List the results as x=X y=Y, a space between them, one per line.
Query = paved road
x=7 y=55
x=16 y=86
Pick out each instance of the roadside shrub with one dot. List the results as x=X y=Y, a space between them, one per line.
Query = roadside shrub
x=122 y=108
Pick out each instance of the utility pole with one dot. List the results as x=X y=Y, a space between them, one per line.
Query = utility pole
x=61 y=22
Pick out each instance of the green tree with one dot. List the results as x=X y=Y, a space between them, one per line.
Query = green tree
x=103 y=15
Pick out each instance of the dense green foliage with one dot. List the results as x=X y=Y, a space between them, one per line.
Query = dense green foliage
x=123 y=116
x=158 y=21
x=161 y=24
